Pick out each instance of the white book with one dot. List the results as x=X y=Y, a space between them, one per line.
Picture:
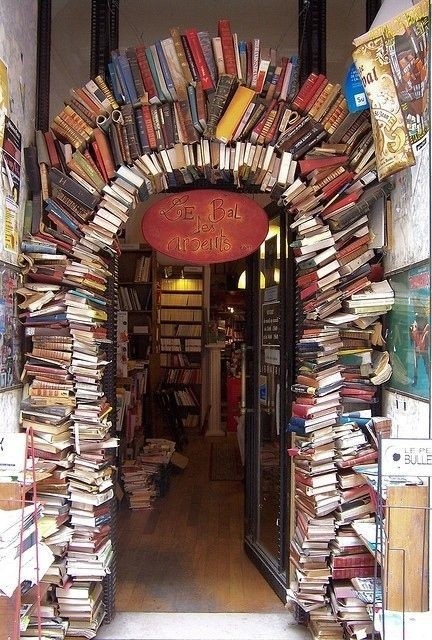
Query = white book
x=218 y=54
x=237 y=56
x=131 y=175
x=174 y=65
x=83 y=182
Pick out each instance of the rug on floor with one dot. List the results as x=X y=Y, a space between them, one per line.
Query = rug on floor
x=225 y=461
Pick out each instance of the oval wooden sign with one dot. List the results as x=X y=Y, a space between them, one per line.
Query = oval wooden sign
x=205 y=226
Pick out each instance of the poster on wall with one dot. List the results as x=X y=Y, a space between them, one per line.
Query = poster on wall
x=4 y=97
x=392 y=61
x=10 y=348
x=408 y=337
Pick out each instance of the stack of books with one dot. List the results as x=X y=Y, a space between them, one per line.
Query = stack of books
x=339 y=355
x=144 y=477
x=350 y=610
x=81 y=604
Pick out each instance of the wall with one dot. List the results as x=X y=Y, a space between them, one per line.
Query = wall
x=18 y=27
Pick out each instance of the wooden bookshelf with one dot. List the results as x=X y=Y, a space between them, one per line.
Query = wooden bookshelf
x=180 y=310
x=136 y=338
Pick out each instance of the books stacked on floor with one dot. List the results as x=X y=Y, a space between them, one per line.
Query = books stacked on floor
x=144 y=477
x=68 y=245
x=350 y=611
x=81 y=603
x=44 y=622
x=340 y=289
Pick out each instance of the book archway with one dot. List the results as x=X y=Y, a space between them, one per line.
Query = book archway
x=103 y=155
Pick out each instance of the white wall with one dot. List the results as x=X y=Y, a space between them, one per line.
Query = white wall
x=18 y=24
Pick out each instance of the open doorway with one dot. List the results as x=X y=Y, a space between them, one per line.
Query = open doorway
x=185 y=553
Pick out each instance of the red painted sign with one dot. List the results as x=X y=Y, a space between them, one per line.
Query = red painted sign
x=205 y=226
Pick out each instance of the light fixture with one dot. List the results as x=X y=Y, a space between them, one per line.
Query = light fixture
x=242 y=280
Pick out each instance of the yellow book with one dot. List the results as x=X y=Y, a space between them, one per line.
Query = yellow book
x=229 y=122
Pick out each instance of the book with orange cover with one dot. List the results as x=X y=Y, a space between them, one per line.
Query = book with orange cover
x=228 y=123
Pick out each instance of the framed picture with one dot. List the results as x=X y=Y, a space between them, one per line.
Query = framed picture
x=408 y=336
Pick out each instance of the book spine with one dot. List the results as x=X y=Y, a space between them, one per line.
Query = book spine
x=165 y=70
x=64 y=132
x=181 y=55
x=73 y=189
x=146 y=74
x=219 y=101
x=225 y=34
x=135 y=72
x=207 y=49
x=127 y=112
x=148 y=123
x=189 y=58
x=125 y=73
x=306 y=92
x=106 y=91
x=71 y=118
x=167 y=123
x=199 y=59
x=154 y=111
x=141 y=131
x=218 y=55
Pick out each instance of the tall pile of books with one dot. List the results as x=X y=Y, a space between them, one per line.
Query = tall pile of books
x=340 y=358
x=64 y=311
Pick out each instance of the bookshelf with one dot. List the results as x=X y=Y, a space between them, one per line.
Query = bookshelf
x=135 y=335
x=180 y=309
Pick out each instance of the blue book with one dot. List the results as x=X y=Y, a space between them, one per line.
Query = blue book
x=151 y=64
x=158 y=69
x=193 y=108
x=55 y=317
x=293 y=84
x=124 y=75
x=57 y=211
x=165 y=70
x=115 y=84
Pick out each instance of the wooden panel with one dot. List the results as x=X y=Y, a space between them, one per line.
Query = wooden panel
x=10 y=498
x=406 y=561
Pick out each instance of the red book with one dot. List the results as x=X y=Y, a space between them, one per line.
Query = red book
x=148 y=123
x=363 y=459
x=341 y=204
x=319 y=87
x=309 y=291
x=146 y=74
x=335 y=185
x=345 y=573
x=52 y=151
x=225 y=34
x=310 y=164
x=99 y=160
x=306 y=279
x=199 y=59
x=62 y=226
x=105 y=152
x=306 y=91
x=353 y=246
x=365 y=559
